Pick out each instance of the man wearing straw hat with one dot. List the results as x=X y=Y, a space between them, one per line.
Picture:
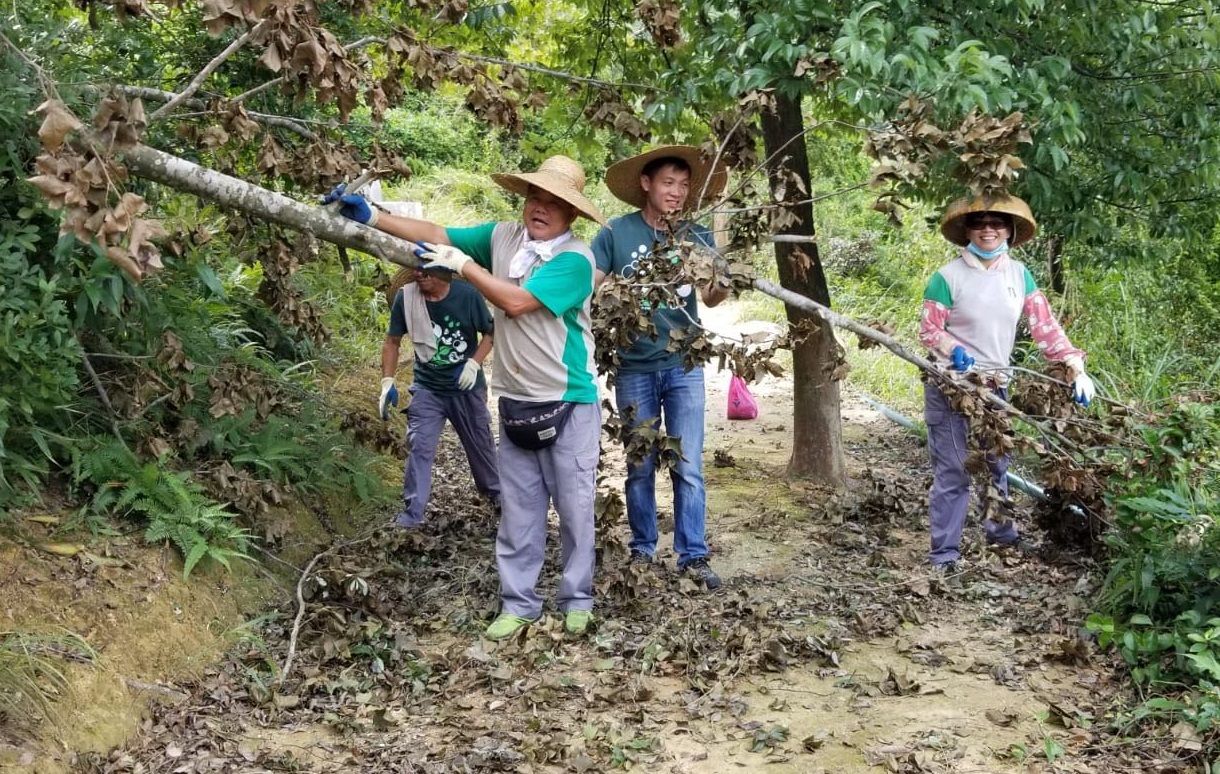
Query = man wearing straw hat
x=539 y=278
x=650 y=377
x=444 y=320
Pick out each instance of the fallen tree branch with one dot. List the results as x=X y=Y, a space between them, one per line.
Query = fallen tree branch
x=554 y=73
x=182 y=175
x=208 y=69
x=893 y=345
x=103 y=395
x=300 y=616
x=166 y=691
x=799 y=239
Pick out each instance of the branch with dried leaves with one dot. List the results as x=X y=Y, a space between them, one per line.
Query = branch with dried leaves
x=208 y=69
x=267 y=119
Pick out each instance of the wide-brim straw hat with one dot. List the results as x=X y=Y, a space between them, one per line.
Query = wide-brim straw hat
x=406 y=275
x=953 y=224
x=623 y=177
x=559 y=176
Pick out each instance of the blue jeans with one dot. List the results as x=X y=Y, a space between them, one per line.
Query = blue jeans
x=676 y=396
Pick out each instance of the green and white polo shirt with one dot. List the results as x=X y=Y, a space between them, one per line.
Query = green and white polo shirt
x=546 y=354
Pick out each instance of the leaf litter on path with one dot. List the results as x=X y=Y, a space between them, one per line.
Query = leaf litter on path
x=392 y=674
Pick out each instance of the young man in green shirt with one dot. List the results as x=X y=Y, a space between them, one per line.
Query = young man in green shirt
x=539 y=278
x=650 y=378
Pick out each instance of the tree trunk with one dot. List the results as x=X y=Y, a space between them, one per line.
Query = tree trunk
x=1054 y=263
x=817 y=434
x=182 y=175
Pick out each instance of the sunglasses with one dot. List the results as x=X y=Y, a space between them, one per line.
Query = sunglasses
x=992 y=223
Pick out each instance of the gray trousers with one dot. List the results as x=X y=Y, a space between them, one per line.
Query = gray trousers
x=467 y=412
x=563 y=474
x=949 y=500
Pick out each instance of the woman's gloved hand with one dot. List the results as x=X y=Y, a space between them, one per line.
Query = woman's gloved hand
x=1083 y=389
x=960 y=360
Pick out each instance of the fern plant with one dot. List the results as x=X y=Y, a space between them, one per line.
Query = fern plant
x=174 y=507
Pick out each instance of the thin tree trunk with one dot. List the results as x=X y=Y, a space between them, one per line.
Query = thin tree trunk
x=817 y=434
x=1054 y=263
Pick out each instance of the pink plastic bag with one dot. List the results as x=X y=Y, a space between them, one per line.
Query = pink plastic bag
x=741 y=403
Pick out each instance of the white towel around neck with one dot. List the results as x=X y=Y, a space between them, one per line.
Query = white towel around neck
x=419 y=324
x=533 y=250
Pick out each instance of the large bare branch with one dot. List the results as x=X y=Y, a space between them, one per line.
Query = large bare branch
x=889 y=342
x=561 y=74
x=182 y=175
x=208 y=69
x=555 y=73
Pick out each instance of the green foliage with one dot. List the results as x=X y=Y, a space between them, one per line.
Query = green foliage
x=172 y=506
x=38 y=358
x=1157 y=608
x=436 y=130
x=38 y=362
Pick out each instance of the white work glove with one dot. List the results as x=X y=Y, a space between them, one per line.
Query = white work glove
x=1083 y=390
x=389 y=397
x=445 y=257
x=469 y=375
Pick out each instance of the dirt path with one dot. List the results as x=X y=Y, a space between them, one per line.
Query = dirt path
x=831 y=648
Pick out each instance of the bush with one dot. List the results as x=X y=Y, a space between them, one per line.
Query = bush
x=1159 y=601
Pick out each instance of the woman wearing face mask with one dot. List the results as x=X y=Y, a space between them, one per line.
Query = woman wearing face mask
x=971 y=309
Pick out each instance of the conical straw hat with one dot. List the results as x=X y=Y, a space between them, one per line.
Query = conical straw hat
x=623 y=177
x=559 y=176
x=953 y=225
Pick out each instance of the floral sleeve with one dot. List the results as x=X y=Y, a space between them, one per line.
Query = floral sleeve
x=937 y=301
x=1052 y=342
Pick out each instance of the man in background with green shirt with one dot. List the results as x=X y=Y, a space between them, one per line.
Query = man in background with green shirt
x=539 y=278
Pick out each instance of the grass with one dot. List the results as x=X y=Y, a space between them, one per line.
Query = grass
x=31 y=677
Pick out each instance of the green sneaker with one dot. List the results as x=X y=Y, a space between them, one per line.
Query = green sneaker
x=506 y=626
x=577 y=621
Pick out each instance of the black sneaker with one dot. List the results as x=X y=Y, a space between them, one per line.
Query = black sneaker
x=640 y=557
x=699 y=571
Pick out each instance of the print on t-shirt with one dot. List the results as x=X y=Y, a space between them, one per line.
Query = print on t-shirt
x=639 y=254
x=451 y=345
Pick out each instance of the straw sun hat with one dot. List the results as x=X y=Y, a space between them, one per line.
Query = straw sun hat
x=623 y=177
x=559 y=176
x=953 y=224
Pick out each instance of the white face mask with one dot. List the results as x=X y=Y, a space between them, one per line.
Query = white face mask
x=987 y=256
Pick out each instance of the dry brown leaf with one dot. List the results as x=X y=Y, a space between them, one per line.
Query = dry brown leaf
x=57 y=123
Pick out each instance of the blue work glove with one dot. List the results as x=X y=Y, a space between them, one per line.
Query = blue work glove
x=389 y=397
x=959 y=360
x=352 y=206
